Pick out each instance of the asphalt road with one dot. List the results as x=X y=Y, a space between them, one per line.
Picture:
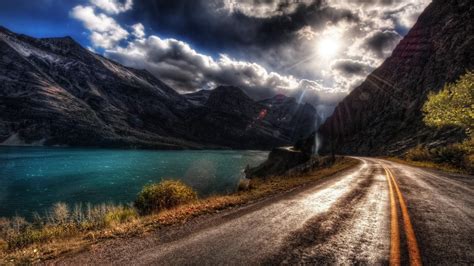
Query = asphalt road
x=375 y=213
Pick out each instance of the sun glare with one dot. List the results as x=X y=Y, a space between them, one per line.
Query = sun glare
x=328 y=47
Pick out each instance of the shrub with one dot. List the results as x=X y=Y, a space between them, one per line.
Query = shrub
x=164 y=195
x=244 y=184
x=451 y=154
x=455 y=155
x=119 y=216
x=469 y=163
x=59 y=214
x=3 y=245
x=418 y=153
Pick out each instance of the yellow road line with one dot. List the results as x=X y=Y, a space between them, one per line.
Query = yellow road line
x=394 y=229
x=413 y=250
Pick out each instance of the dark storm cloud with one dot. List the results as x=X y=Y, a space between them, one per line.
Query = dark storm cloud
x=212 y=24
x=381 y=42
x=184 y=69
x=373 y=2
x=349 y=67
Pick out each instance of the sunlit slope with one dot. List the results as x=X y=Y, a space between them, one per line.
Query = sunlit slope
x=383 y=115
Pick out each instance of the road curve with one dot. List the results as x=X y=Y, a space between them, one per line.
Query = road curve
x=375 y=213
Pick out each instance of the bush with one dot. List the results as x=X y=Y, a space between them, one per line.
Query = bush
x=451 y=154
x=3 y=245
x=119 y=216
x=469 y=162
x=244 y=184
x=164 y=195
x=59 y=214
x=419 y=153
x=455 y=155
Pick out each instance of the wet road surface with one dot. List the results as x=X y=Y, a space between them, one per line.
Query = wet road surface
x=375 y=213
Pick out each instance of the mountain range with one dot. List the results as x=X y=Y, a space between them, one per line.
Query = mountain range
x=383 y=115
x=55 y=92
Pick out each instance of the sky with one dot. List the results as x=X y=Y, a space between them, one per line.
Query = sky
x=314 y=50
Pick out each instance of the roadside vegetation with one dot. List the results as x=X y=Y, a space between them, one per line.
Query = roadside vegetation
x=65 y=228
x=164 y=195
x=452 y=106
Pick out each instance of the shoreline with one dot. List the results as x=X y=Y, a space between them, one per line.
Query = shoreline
x=128 y=149
x=41 y=176
x=261 y=189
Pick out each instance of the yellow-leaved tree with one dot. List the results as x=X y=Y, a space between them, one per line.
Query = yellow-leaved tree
x=453 y=105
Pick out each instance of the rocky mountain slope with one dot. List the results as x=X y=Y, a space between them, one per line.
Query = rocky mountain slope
x=295 y=121
x=226 y=115
x=55 y=92
x=383 y=115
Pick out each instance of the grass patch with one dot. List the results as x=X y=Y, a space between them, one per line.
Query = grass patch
x=427 y=164
x=66 y=229
x=119 y=216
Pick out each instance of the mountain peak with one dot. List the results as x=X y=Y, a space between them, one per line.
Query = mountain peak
x=230 y=95
x=62 y=42
x=6 y=31
x=230 y=90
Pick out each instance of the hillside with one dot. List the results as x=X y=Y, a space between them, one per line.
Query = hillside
x=383 y=115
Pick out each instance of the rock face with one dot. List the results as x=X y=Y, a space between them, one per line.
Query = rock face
x=198 y=98
x=279 y=161
x=228 y=117
x=383 y=115
x=295 y=121
x=55 y=92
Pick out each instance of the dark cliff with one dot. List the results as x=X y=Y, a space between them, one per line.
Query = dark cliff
x=227 y=116
x=383 y=115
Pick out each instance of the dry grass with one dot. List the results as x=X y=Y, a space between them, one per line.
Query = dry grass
x=122 y=222
x=458 y=157
x=427 y=164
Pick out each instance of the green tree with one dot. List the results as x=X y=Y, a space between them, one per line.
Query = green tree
x=453 y=105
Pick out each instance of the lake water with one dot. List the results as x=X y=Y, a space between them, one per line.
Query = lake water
x=34 y=178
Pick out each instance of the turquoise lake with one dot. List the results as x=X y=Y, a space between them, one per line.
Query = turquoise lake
x=34 y=178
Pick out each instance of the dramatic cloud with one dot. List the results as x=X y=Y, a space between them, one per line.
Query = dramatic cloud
x=381 y=43
x=113 y=6
x=105 y=31
x=261 y=9
x=317 y=49
x=187 y=70
x=138 y=30
x=349 y=67
x=225 y=25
